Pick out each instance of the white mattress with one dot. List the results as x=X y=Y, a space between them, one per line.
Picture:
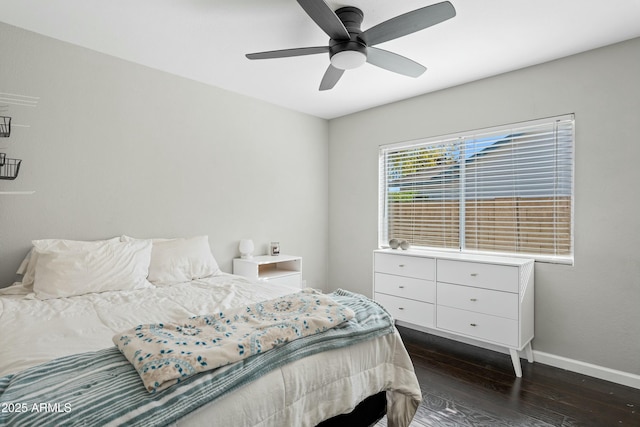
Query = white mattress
x=302 y=393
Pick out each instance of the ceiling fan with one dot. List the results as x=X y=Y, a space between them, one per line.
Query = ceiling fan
x=350 y=47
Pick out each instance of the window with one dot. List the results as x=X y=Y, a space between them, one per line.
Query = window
x=504 y=190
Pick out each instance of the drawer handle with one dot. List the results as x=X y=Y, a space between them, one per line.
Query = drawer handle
x=401 y=287
x=474 y=274
x=474 y=299
x=473 y=324
x=400 y=308
x=401 y=265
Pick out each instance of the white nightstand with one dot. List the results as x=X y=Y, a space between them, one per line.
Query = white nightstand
x=283 y=269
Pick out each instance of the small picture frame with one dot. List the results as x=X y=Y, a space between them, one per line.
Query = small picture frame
x=274 y=248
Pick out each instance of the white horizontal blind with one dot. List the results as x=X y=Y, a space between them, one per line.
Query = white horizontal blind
x=501 y=190
x=420 y=191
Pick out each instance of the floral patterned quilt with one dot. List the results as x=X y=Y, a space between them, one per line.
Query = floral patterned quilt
x=166 y=353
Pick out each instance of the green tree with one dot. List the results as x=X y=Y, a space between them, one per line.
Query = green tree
x=406 y=164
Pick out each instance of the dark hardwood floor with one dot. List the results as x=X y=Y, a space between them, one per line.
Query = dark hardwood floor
x=463 y=385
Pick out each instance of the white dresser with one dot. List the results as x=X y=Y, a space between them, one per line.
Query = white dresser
x=484 y=298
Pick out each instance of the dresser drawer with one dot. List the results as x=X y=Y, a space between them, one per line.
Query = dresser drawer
x=411 y=311
x=490 y=276
x=495 y=303
x=403 y=265
x=406 y=287
x=477 y=325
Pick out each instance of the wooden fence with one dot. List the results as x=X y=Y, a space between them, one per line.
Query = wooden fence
x=526 y=225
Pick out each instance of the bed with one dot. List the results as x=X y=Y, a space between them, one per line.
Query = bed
x=47 y=321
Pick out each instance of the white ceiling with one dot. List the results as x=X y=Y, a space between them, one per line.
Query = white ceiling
x=205 y=40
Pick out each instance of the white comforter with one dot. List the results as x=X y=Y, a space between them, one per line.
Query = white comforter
x=299 y=394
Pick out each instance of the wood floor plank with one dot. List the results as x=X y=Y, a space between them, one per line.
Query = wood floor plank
x=463 y=385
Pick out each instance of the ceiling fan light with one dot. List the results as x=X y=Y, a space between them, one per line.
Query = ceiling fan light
x=348 y=59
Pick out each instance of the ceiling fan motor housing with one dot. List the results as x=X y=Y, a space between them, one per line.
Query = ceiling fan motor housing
x=352 y=53
x=351 y=17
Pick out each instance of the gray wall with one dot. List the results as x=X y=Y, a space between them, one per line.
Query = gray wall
x=588 y=312
x=118 y=148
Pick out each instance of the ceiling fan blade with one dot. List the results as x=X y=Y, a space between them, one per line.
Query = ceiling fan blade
x=394 y=62
x=408 y=23
x=331 y=77
x=285 y=53
x=325 y=18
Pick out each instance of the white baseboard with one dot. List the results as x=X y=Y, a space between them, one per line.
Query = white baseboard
x=607 y=374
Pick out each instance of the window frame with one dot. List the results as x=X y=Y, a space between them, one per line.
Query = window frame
x=460 y=138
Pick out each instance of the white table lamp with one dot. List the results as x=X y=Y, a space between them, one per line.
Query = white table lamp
x=246 y=248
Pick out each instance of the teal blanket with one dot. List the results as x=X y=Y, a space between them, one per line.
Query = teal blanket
x=103 y=388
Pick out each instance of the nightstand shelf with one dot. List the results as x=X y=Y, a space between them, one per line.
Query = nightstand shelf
x=283 y=269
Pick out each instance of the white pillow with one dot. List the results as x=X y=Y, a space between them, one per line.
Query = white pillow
x=28 y=266
x=180 y=260
x=112 y=266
